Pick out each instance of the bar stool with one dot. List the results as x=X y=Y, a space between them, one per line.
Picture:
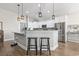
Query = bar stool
x=30 y=45
x=47 y=45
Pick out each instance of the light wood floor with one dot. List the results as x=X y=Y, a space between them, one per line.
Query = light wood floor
x=64 y=49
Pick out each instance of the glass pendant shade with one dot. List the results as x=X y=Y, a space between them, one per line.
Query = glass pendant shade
x=22 y=17
x=53 y=17
x=18 y=17
x=40 y=14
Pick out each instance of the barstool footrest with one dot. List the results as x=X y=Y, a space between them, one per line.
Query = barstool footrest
x=44 y=48
x=44 y=45
x=32 y=48
x=32 y=45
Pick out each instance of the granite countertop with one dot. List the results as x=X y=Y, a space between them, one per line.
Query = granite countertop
x=41 y=30
x=45 y=28
x=19 y=33
x=33 y=30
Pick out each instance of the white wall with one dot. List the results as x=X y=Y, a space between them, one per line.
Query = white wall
x=73 y=19
x=10 y=24
x=50 y=22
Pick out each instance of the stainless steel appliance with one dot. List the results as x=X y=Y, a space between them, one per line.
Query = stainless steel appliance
x=61 y=27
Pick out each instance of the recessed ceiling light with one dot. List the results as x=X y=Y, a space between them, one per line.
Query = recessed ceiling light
x=39 y=5
x=27 y=12
x=48 y=11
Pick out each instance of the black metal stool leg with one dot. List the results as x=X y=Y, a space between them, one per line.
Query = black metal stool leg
x=49 y=47
x=36 y=45
x=28 y=47
x=45 y=45
x=41 y=47
x=29 y=44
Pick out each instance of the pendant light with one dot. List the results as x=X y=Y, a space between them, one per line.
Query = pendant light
x=22 y=16
x=53 y=16
x=18 y=18
x=39 y=13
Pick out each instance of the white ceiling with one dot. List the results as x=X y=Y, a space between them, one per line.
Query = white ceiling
x=60 y=8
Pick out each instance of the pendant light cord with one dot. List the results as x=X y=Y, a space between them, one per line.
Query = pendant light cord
x=18 y=9
x=53 y=7
x=22 y=9
x=53 y=16
x=40 y=7
x=40 y=13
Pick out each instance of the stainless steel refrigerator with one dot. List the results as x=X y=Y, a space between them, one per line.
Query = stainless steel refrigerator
x=61 y=28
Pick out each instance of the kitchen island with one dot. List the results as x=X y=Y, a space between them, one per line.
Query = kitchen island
x=21 y=38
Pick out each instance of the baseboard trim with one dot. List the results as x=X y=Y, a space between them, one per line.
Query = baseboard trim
x=23 y=47
x=75 y=41
x=8 y=39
